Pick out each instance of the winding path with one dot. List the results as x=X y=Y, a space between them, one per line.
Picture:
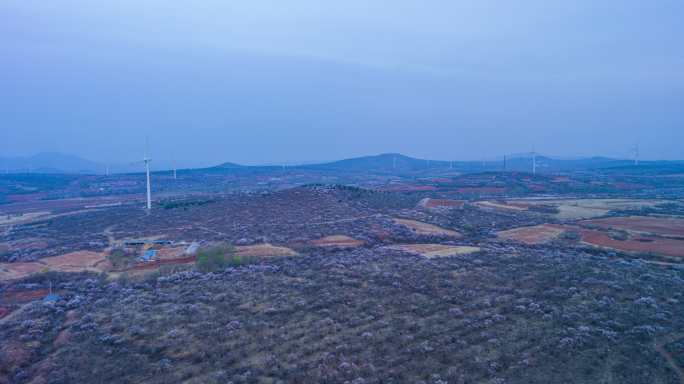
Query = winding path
x=660 y=347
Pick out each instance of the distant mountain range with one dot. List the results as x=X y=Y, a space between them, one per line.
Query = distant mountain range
x=51 y=162
x=398 y=163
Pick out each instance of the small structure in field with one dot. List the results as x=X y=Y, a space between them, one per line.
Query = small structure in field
x=51 y=298
x=149 y=255
x=192 y=248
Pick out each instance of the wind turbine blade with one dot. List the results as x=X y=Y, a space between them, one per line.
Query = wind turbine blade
x=147 y=148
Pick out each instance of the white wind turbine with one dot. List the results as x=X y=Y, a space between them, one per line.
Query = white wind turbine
x=635 y=153
x=147 y=161
x=147 y=171
x=174 y=169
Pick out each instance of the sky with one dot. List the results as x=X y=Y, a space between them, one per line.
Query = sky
x=259 y=82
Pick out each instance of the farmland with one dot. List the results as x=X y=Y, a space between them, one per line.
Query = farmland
x=194 y=193
x=441 y=203
x=664 y=226
x=638 y=244
x=71 y=262
x=422 y=228
x=442 y=280
x=337 y=241
x=435 y=250
x=538 y=234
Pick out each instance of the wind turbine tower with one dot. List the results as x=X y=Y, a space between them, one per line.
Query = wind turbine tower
x=534 y=162
x=636 y=154
x=147 y=161
x=175 y=167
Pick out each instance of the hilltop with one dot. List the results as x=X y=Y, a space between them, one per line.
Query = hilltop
x=381 y=163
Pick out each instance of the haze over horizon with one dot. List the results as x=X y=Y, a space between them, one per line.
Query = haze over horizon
x=266 y=82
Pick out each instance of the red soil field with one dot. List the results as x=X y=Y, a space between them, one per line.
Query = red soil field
x=537 y=234
x=24 y=296
x=71 y=262
x=661 y=246
x=76 y=261
x=656 y=225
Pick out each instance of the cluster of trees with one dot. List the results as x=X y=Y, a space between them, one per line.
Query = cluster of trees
x=362 y=316
x=219 y=257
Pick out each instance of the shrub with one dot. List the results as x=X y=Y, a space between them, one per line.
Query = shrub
x=571 y=235
x=120 y=258
x=186 y=204
x=544 y=208
x=618 y=235
x=219 y=257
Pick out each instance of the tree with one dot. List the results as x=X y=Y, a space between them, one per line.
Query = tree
x=217 y=258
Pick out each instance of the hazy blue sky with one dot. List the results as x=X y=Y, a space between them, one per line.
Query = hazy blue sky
x=268 y=81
